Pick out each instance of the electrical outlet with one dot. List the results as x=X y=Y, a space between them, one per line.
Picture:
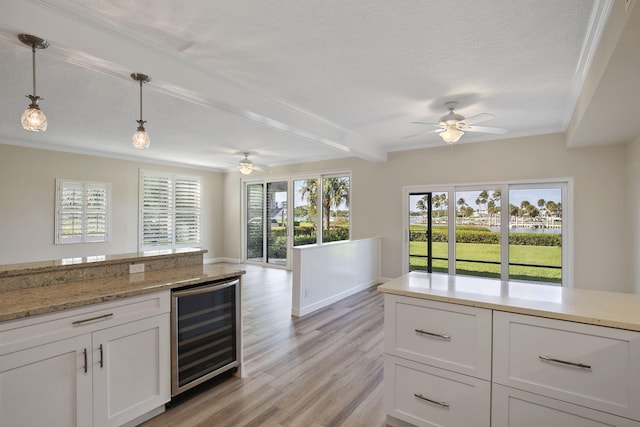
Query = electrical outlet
x=136 y=268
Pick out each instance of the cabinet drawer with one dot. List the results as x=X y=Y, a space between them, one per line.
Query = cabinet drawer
x=516 y=408
x=41 y=329
x=588 y=365
x=428 y=396
x=443 y=335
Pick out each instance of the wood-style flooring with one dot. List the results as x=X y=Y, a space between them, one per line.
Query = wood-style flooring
x=323 y=369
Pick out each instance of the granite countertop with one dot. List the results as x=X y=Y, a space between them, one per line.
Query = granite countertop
x=617 y=310
x=81 y=262
x=16 y=304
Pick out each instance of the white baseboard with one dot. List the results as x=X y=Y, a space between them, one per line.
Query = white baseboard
x=219 y=260
x=302 y=311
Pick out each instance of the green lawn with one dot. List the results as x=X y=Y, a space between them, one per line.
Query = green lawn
x=541 y=255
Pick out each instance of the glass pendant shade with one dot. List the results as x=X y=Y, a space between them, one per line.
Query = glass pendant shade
x=141 y=139
x=452 y=134
x=33 y=119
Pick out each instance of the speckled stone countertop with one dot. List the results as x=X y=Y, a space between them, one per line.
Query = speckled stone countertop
x=617 y=310
x=16 y=304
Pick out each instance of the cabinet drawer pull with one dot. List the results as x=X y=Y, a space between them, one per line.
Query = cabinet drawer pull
x=435 y=402
x=86 y=367
x=433 y=334
x=101 y=359
x=103 y=316
x=563 y=362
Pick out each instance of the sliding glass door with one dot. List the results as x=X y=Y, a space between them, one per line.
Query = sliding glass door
x=266 y=222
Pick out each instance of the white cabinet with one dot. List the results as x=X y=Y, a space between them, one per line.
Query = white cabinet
x=516 y=408
x=47 y=385
x=448 y=364
x=102 y=365
x=131 y=373
x=437 y=363
x=587 y=365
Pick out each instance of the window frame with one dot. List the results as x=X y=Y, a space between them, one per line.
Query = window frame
x=83 y=236
x=504 y=186
x=170 y=210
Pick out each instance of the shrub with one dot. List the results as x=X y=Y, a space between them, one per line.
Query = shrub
x=486 y=236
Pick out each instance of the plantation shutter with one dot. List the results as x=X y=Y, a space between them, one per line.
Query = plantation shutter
x=157 y=211
x=170 y=211
x=96 y=213
x=82 y=212
x=187 y=211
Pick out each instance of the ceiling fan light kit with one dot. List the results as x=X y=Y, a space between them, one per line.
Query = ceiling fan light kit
x=245 y=166
x=451 y=134
x=33 y=119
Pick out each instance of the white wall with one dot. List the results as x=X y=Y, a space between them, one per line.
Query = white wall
x=606 y=200
x=27 y=202
x=601 y=238
x=633 y=167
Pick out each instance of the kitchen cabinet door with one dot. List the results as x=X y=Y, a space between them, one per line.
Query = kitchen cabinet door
x=131 y=370
x=47 y=385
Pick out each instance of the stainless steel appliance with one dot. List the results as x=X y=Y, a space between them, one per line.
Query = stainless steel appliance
x=205 y=323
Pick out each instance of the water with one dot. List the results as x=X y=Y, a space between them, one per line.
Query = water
x=419 y=220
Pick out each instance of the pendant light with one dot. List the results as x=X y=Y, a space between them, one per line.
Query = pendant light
x=141 y=137
x=33 y=118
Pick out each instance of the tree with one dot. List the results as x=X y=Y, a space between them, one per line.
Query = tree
x=438 y=201
x=483 y=199
x=335 y=192
x=309 y=192
x=422 y=205
x=462 y=203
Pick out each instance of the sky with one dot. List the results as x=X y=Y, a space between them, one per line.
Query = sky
x=515 y=196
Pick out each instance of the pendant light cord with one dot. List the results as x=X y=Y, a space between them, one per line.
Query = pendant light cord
x=141 y=102
x=33 y=62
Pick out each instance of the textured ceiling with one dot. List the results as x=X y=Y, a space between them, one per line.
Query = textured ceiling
x=291 y=81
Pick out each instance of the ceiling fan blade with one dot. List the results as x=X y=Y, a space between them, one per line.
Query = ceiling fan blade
x=479 y=118
x=421 y=133
x=425 y=123
x=484 y=129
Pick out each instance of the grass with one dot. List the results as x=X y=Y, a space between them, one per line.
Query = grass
x=540 y=255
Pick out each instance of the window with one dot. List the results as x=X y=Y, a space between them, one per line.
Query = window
x=333 y=197
x=507 y=231
x=169 y=210
x=82 y=211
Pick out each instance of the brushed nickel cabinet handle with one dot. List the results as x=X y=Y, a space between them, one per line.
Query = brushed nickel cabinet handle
x=433 y=334
x=435 y=402
x=103 y=316
x=101 y=359
x=563 y=362
x=86 y=367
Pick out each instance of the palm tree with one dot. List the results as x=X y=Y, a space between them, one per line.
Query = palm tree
x=462 y=203
x=438 y=201
x=335 y=191
x=482 y=199
x=493 y=206
x=309 y=192
x=422 y=205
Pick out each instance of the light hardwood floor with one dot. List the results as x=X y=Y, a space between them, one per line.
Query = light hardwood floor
x=324 y=369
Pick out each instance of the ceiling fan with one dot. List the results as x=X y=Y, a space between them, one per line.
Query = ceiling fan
x=452 y=126
x=246 y=166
